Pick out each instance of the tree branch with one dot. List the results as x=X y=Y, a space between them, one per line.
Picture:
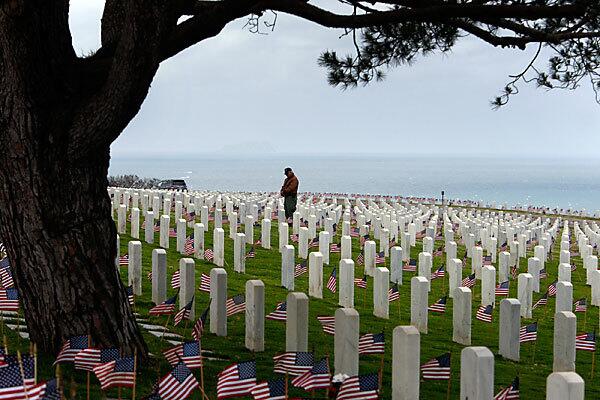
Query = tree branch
x=426 y=14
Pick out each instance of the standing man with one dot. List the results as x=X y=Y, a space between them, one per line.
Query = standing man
x=289 y=191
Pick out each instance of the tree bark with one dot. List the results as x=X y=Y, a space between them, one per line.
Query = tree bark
x=55 y=217
x=61 y=241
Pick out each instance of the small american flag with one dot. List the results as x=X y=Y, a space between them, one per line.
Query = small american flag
x=335 y=248
x=543 y=274
x=439 y=273
x=188 y=247
x=269 y=390
x=542 y=301
x=251 y=253
x=581 y=305
x=87 y=359
x=394 y=293
x=237 y=380
x=119 y=372
x=314 y=242
x=504 y=246
x=586 y=341
x=12 y=384
x=363 y=239
x=411 y=266
x=150 y=275
x=200 y=324
x=167 y=307
x=184 y=313
x=573 y=267
x=130 y=295
x=208 y=255
x=205 y=283
x=331 y=282
x=371 y=343
x=502 y=289
x=172 y=232
x=360 y=260
x=177 y=384
x=469 y=281
x=552 y=289
x=190 y=216
x=236 y=304
x=380 y=258
x=510 y=392
x=294 y=363
x=487 y=260
x=45 y=391
x=484 y=313
x=187 y=352
x=439 y=306
x=300 y=269
x=6 y=277
x=363 y=387
x=294 y=238
x=355 y=232
x=28 y=364
x=327 y=323
x=528 y=333
x=437 y=368
x=71 y=347
x=280 y=313
x=438 y=252
x=514 y=271
x=156 y=226
x=124 y=260
x=9 y=299
x=361 y=283
x=318 y=377
x=176 y=280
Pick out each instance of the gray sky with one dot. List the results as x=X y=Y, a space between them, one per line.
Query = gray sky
x=266 y=93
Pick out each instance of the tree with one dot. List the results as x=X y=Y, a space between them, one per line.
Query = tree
x=59 y=113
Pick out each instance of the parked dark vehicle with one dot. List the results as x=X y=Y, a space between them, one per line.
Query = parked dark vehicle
x=172 y=184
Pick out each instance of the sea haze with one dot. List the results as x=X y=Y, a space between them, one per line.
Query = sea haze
x=554 y=182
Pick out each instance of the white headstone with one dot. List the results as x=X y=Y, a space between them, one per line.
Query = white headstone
x=419 y=302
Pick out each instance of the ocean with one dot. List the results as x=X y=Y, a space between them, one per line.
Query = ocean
x=552 y=182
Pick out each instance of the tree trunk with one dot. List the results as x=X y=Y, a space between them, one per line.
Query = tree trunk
x=59 y=113
x=56 y=223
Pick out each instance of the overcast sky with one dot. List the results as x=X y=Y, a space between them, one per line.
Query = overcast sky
x=265 y=93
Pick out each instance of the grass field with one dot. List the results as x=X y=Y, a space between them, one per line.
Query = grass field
x=534 y=367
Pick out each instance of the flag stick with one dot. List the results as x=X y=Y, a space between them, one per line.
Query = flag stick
x=88 y=372
x=18 y=327
x=134 y=375
x=329 y=370
x=585 y=319
x=593 y=363
x=202 y=375
x=165 y=328
x=286 y=386
x=58 y=376
x=381 y=372
x=449 y=381
x=35 y=363
x=22 y=373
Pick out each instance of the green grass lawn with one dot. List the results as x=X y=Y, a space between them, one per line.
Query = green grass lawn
x=534 y=367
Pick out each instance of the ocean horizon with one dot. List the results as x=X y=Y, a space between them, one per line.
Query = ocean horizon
x=567 y=183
